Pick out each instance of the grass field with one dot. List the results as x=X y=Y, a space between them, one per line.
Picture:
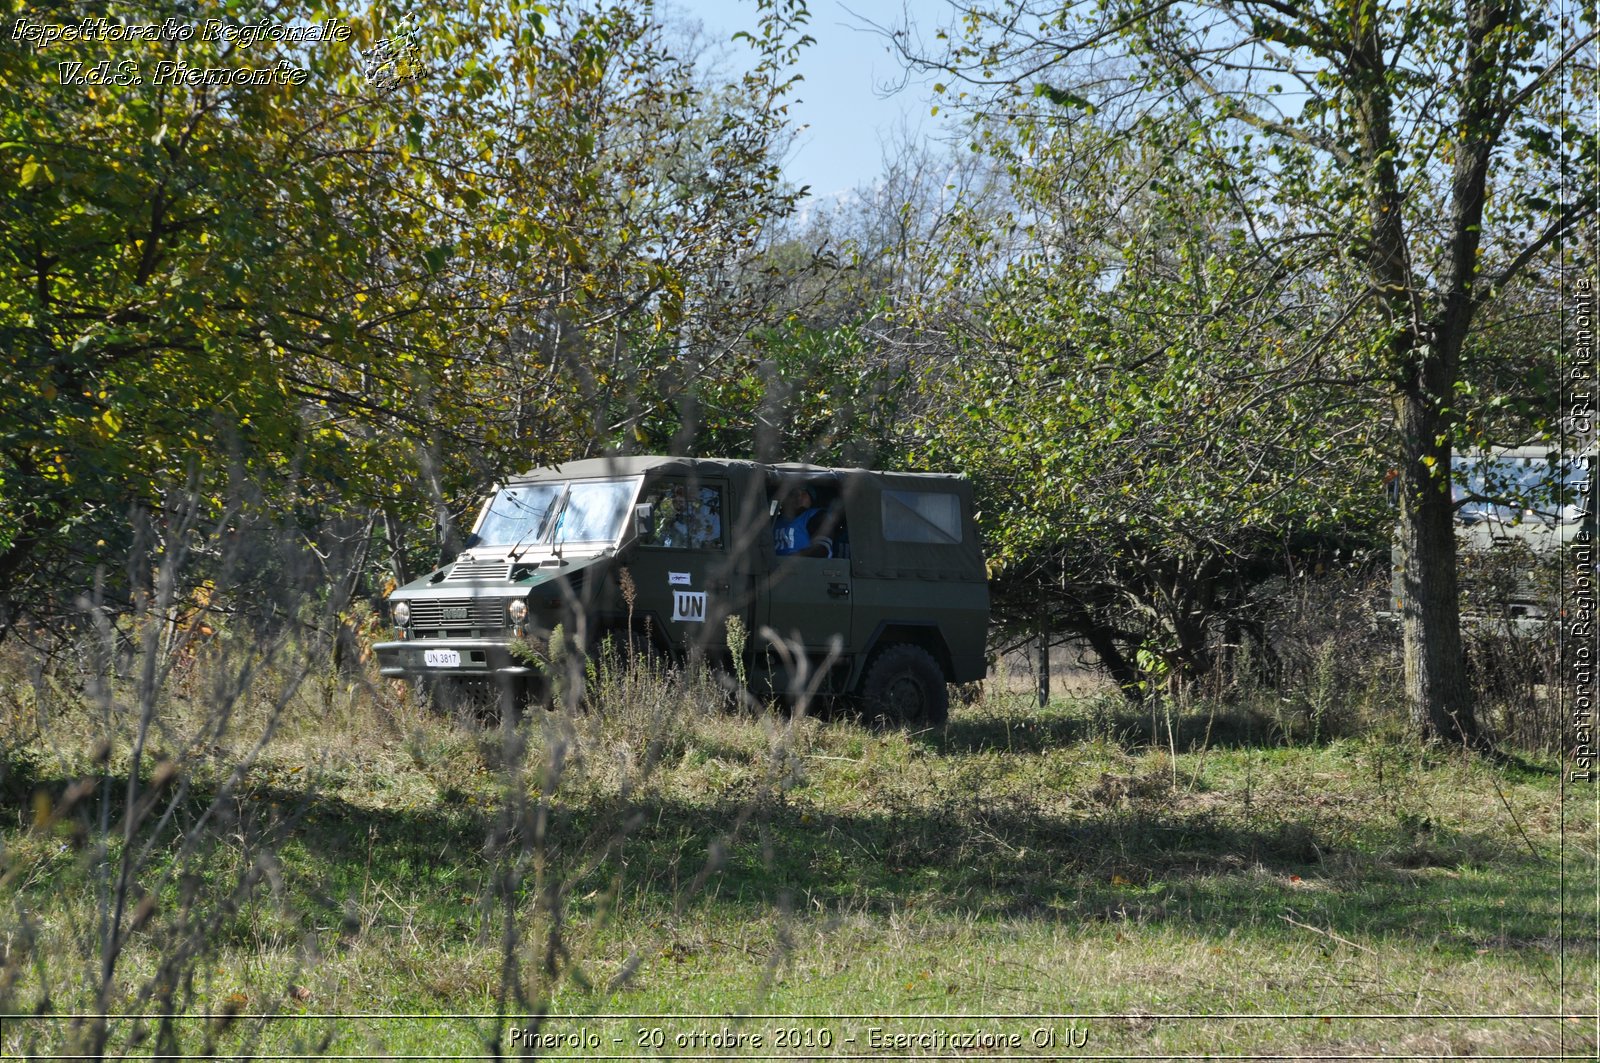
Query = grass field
x=1093 y=883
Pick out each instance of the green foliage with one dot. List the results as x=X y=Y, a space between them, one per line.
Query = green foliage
x=480 y=257
x=793 y=391
x=736 y=637
x=1150 y=440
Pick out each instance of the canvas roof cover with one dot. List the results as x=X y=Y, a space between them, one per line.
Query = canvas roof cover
x=637 y=464
x=872 y=554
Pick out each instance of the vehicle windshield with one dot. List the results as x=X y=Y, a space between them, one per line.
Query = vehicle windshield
x=594 y=512
x=1521 y=489
x=549 y=514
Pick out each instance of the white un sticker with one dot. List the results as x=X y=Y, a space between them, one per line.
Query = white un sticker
x=678 y=579
x=689 y=606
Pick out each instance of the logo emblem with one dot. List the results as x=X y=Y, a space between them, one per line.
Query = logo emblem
x=689 y=606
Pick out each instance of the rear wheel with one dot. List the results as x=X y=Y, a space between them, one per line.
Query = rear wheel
x=905 y=685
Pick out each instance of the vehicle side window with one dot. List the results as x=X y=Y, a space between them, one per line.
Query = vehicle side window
x=921 y=517
x=683 y=517
x=806 y=522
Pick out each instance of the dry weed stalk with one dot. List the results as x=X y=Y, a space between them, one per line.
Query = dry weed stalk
x=160 y=814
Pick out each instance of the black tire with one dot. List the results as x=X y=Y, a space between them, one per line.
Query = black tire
x=904 y=685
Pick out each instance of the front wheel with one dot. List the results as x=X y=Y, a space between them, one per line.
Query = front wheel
x=905 y=685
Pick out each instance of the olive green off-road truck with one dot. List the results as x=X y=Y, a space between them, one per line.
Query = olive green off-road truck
x=658 y=554
x=1520 y=511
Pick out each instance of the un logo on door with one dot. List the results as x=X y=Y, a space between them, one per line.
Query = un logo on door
x=689 y=606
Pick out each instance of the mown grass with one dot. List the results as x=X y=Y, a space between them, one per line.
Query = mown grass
x=663 y=853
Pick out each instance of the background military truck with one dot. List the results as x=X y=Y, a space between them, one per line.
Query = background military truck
x=1517 y=509
x=658 y=553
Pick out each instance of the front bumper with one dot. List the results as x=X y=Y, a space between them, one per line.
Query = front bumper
x=479 y=658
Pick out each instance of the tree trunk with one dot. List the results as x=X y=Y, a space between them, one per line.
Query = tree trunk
x=1426 y=354
x=1044 y=662
x=1122 y=671
x=11 y=562
x=397 y=552
x=1436 y=686
x=1436 y=682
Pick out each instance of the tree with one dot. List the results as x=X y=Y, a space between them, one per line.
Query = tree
x=1433 y=149
x=811 y=346
x=1149 y=447
x=314 y=284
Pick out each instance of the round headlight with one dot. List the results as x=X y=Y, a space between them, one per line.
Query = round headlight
x=402 y=613
x=517 y=609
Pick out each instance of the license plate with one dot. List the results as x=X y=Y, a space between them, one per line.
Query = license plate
x=441 y=658
x=455 y=612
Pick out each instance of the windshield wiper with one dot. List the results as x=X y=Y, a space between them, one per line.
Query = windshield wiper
x=549 y=521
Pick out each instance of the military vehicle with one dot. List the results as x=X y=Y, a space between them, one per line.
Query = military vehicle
x=659 y=554
x=1517 y=508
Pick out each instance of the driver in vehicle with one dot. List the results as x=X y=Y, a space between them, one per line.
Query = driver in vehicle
x=802 y=527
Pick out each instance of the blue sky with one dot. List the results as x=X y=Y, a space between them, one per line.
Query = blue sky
x=845 y=97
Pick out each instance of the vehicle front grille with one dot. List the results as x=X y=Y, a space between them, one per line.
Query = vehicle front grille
x=430 y=613
x=488 y=568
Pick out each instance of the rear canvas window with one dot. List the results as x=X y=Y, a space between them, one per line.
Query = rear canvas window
x=921 y=517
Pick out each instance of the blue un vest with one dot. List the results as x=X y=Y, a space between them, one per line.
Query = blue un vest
x=789 y=536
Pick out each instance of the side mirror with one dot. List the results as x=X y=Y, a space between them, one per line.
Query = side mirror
x=643 y=519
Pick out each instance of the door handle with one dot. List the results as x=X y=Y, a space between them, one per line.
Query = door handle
x=838 y=590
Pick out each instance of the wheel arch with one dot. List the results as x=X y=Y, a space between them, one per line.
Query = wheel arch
x=893 y=632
